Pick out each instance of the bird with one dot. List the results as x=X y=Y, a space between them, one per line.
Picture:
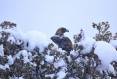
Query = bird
x=60 y=31
x=62 y=41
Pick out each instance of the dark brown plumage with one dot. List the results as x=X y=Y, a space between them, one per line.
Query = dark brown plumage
x=61 y=31
x=61 y=40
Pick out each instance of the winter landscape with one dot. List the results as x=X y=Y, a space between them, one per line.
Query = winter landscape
x=32 y=55
x=58 y=39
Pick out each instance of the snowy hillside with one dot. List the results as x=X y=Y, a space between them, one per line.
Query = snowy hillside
x=32 y=55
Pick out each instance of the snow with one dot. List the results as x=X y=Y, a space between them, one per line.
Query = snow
x=50 y=75
x=10 y=60
x=73 y=53
x=61 y=74
x=61 y=51
x=4 y=67
x=106 y=53
x=36 y=39
x=25 y=55
x=87 y=44
x=49 y=58
x=11 y=39
x=111 y=69
x=20 y=78
x=16 y=77
x=0 y=36
x=114 y=43
x=1 y=50
x=60 y=63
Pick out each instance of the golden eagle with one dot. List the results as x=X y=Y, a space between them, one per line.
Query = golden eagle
x=61 y=40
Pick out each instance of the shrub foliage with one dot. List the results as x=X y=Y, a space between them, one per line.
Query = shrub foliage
x=76 y=66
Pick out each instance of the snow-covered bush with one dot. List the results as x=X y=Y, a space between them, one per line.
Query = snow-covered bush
x=103 y=33
x=31 y=55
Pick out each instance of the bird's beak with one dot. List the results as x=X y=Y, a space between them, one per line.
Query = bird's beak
x=67 y=30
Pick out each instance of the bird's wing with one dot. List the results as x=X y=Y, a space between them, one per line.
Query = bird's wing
x=56 y=39
x=66 y=43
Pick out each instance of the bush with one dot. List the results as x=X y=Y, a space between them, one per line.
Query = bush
x=18 y=62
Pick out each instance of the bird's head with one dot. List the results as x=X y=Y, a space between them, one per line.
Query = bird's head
x=61 y=31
